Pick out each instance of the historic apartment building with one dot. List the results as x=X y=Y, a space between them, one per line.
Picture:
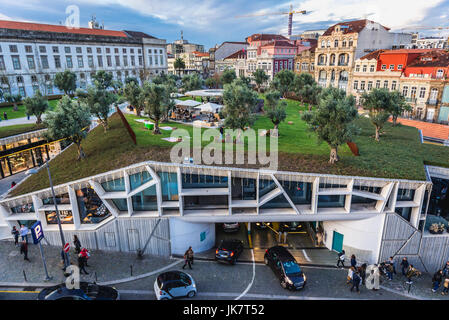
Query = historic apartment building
x=31 y=54
x=305 y=60
x=342 y=44
x=419 y=74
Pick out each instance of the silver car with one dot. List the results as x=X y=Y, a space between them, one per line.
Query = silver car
x=174 y=284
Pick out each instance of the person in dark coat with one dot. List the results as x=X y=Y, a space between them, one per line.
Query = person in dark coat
x=188 y=258
x=16 y=234
x=356 y=282
x=404 y=266
x=341 y=259
x=82 y=263
x=446 y=269
x=77 y=244
x=24 y=250
x=362 y=272
x=353 y=261
x=436 y=279
x=5 y=115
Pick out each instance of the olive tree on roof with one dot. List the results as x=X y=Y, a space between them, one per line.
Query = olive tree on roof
x=36 y=105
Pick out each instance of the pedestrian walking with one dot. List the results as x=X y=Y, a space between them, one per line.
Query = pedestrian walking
x=13 y=184
x=86 y=254
x=445 y=286
x=16 y=234
x=188 y=258
x=411 y=272
x=436 y=280
x=356 y=280
x=404 y=266
x=350 y=275
x=82 y=262
x=341 y=259
x=362 y=272
x=24 y=250
x=446 y=269
x=389 y=270
x=77 y=244
x=5 y=115
x=24 y=232
x=353 y=261
x=28 y=116
x=319 y=239
x=391 y=261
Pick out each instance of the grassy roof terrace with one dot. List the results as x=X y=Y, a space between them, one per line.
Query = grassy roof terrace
x=398 y=155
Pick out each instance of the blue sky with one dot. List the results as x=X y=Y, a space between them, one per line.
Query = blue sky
x=211 y=22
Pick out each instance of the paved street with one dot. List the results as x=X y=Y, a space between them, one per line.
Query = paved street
x=214 y=280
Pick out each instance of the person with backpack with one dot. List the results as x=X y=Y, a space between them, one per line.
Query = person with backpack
x=389 y=270
x=16 y=234
x=350 y=275
x=356 y=280
x=436 y=280
x=341 y=259
x=82 y=262
x=362 y=272
x=24 y=250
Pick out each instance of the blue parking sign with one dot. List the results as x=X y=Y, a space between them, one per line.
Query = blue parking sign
x=37 y=232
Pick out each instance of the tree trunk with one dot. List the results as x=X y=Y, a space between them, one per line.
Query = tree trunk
x=137 y=111
x=15 y=108
x=334 y=155
x=104 y=123
x=156 y=129
x=81 y=154
x=395 y=119
x=377 y=133
x=275 y=131
x=38 y=119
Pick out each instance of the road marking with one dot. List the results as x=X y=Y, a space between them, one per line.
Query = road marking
x=140 y=276
x=248 y=295
x=17 y=291
x=252 y=280
x=305 y=255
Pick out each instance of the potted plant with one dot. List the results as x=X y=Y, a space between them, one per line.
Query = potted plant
x=437 y=228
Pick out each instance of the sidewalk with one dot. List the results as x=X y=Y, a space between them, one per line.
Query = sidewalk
x=110 y=267
x=16 y=121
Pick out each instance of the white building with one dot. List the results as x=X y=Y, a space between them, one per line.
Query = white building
x=31 y=54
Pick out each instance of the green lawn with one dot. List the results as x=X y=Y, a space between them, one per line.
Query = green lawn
x=398 y=155
x=20 y=113
x=18 y=129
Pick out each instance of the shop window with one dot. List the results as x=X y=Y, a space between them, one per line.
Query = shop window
x=298 y=192
x=169 y=186
x=191 y=181
x=25 y=208
x=60 y=199
x=121 y=204
x=405 y=195
x=331 y=201
x=278 y=202
x=114 y=185
x=65 y=216
x=332 y=186
x=243 y=189
x=91 y=208
x=145 y=200
x=140 y=178
x=205 y=202
x=20 y=161
x=404 y=212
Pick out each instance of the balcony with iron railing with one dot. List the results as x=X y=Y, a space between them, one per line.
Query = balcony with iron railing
x=432 y=102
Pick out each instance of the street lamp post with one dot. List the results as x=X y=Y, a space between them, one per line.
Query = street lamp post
x=66 y=255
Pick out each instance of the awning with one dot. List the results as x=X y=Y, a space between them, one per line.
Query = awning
x=209 y=107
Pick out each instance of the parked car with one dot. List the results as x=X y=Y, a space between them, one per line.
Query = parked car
x=231 y=227
x=285 y=268
x=229 y=250
x=174 y=284
x=87 y=291
x=290 y=226
x=263 y=225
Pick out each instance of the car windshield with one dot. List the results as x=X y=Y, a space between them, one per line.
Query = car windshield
x=291 y=268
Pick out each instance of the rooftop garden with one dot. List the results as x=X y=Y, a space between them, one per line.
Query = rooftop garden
x=19 y=128
x=399 y=154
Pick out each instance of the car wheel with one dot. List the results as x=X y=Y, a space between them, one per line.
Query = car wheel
x=191 y=294
x=283 y=284
x=265 y=259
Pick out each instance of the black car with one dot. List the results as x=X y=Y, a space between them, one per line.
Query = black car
x=263 y=225
x=87 y=291
x=229 y=250
x=285 y=267
x=290 y=226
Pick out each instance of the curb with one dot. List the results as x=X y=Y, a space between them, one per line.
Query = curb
x=27 y=284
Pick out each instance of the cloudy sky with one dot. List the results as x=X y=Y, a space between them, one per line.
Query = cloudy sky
x=211 y=22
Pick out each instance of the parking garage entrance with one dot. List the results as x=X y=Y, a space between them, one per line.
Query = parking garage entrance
x=302 y=239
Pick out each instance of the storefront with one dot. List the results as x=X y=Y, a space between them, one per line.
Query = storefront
x=25 y=151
